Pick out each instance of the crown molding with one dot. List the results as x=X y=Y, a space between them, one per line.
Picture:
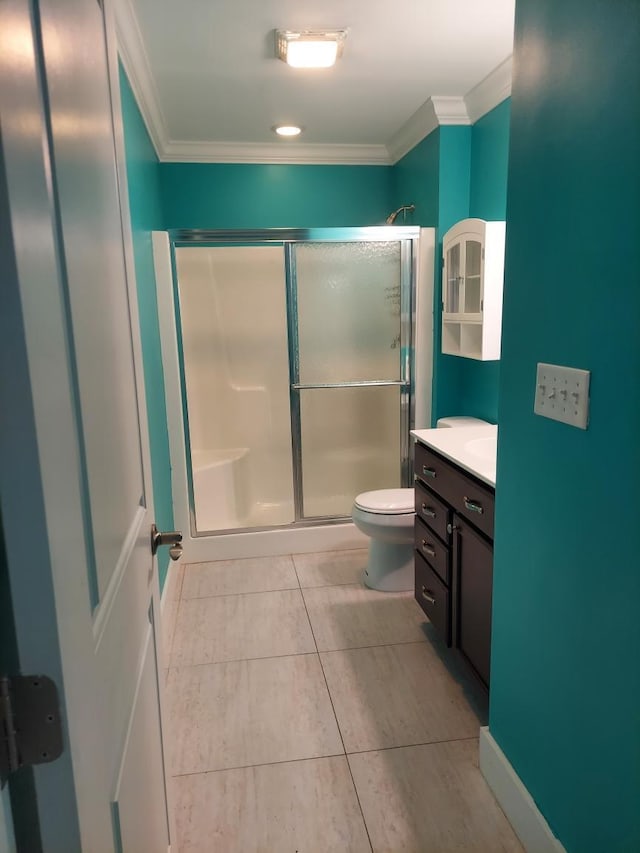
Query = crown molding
x=491 y=91
x=423 y=122
x=133 y=56
x=438 y=110
x=450 y=109
x=177 y=151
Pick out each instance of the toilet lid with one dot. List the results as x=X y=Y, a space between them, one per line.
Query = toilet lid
x=387 y=501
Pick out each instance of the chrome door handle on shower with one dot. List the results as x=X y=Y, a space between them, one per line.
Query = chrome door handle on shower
x=313 y=386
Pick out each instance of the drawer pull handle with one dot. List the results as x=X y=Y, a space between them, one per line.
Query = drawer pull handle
x=452 y=527
x=428 y=510
x=473 y=506
x=428 y=548
x=428 y=595
x=429 y=472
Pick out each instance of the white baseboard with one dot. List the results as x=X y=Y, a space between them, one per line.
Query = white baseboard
x=271 y=543
x=516 y=802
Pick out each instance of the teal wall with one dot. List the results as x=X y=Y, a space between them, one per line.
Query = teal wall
x=454 y=176
x=565 y=691
x=416 y=181
x=238 y=195
x=489 y=161
x=146 y=216
x=479 y=380
x=457 y=172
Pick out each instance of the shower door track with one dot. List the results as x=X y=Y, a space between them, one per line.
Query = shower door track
x=407 y=236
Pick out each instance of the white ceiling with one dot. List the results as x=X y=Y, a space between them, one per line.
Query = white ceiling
x=206 y=72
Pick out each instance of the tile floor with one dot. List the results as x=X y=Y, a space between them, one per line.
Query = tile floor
x=308 y=714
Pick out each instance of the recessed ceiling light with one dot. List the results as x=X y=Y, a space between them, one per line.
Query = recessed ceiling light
x=288 y=130
x=310 y=48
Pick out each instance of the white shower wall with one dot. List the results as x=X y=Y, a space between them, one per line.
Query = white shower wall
x=233 y=317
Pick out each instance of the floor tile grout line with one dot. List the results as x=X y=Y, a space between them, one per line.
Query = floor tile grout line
x=363 y=547
x=277 y=589
x=247 y=592
x=299 y=586
x=333 y=708
x=241 y=660
x=320 y=757
x=263 y=764
x=406 y=593
x=183 y=569
x=300 y=654
x=295 y=571
x=174 y=629
x=375 y=646
x=411 y=745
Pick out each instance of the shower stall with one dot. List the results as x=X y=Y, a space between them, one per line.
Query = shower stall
x=293 y=355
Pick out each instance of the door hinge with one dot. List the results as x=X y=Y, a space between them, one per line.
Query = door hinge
x=30 y=727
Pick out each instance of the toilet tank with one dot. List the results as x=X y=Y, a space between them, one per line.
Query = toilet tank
x=460 y=421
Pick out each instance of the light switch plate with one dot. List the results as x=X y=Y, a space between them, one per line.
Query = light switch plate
x=562 y=393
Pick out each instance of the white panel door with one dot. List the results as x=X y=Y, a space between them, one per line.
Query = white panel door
x=75 y=491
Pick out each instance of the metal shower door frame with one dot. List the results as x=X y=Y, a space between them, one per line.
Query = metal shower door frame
x=408 y=238
x=404 y=383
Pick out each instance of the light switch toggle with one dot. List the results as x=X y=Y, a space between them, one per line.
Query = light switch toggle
x=562 y=393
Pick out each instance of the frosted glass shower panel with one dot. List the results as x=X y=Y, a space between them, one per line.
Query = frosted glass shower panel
x=234 y=339
x=350 y=441
x=348 y=311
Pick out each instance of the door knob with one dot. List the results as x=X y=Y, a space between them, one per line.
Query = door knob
x=167 y=537
x=175 y=552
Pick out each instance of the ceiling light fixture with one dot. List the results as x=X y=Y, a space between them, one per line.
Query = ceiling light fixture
x=310 y=48
x=288 y=130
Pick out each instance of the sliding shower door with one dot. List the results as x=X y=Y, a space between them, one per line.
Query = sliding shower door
x=295 y=362
x=349 y=330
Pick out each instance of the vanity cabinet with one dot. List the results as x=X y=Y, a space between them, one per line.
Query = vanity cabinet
x=472 y=282
x=473 y=568
x=454 y=556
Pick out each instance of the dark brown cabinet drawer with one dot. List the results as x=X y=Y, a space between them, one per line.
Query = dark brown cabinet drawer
x=477 y=504
x=431 y=510
x=433 y=551
x=429 y=468
x=433 y=596
x=465 y=494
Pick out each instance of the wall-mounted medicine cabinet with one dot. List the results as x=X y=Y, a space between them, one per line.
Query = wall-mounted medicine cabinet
x=472 y=280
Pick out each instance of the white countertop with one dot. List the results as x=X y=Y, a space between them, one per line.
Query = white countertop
x=472 y=448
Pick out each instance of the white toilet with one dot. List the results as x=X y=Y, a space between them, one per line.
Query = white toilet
x=387 y=517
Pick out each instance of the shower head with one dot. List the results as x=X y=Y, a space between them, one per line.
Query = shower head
x=393 y=216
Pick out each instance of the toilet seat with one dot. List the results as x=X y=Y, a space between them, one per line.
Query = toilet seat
x=387 y=502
